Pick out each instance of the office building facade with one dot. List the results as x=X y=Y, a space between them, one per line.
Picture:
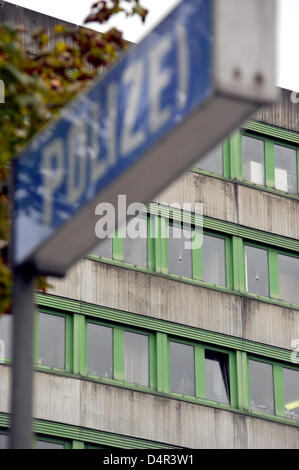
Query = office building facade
x=156 y=342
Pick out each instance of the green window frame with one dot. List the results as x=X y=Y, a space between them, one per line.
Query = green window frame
x=225 y=162
x=79 y=438
x=200 y=372
x=270 y=160
x=118 y=355
x=196 y=255
x=265 y=159
x=235 y=239
x=118 y=246
x=161 y=334
x=276 y=264
x=273 y=270
x=278 y=387
x=69 y=341
x=270 y=270
x=282 y=391
x=233 y=159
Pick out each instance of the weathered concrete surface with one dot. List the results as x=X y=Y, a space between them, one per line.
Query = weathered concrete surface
x=57 y=398
x=268 y=212
x=5 y=376
x=151 y=417
x=160 y=298
x=236 y=203
x=270 y=324
x=217 y=196
x=69 y=286
x=282 y=114
x=179 y=302
x=262 y=435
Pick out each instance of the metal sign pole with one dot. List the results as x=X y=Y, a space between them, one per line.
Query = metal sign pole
x=22 y=370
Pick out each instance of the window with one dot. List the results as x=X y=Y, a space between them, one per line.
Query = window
x=291 y=393
x=3 y=441
x=114 y=352
x=213 y=260
x=136 y=357
x=200 y=371
x=103 y=249
x=255 y=158
x=179 y=257
x=288 y=268
x=182 y=368
x=204 y=261
x=135 y=249
x=52 y=334
x=158 y=361
x=41 y=444
x=253 y=154
x=272 y=274
x=257 y=272
x=212 y=161
x=217 y=376
x=100 y=350
x=130 y=246
x=261 y=387
x=5 y=337
x=285 y=169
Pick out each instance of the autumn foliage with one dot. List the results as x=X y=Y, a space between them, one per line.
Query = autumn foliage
x=39 y=80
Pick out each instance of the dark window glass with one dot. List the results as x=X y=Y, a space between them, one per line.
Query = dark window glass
x=179 y=257
x=217 y=376
x=182 y=368
x=253 y=156
x=5 y=337
x=100 y=350
x=285 y=169
x=261 y=387
x=3 y=441
x=291 y=393
x=103 y=249
x=212 y=161
x=288 y=268
x=49 y=445
x=213 y=260
x=135 y=249
x=257 y=273
x=51 y=341
x=136 y=358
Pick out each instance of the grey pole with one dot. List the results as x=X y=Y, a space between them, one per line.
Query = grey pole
x=22 y=361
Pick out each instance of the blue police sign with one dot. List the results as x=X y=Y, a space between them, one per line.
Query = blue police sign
x=137 y=128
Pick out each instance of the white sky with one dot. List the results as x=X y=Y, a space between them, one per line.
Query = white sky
x=288 y=27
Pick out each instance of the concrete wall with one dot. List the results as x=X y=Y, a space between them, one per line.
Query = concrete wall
x=159 y=297
x=147 y=416
x=283 y=114
x=236 y=203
